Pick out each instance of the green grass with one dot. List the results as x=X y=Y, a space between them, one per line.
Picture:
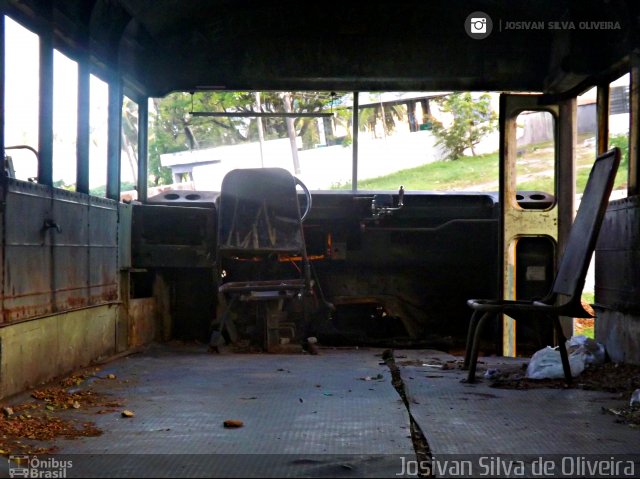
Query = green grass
x=440 y=175
x=482 y=170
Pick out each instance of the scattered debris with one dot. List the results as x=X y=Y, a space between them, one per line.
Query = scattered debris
x=491 y=373
x=111 y=376
x=310 y=345
x=233 y=423
x=37 y=420
x=626 y=415
x=610 y=377
x=249 y=398
x=439 y=366
x=127 y=413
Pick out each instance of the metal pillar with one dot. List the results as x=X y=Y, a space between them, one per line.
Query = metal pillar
x=634 y=126
x=82 y=141
x=603 y=101
x=143 y=127
x=2 y=86
x=45 y=127
x=114 y=123
x=354 y=145
x=566 y=180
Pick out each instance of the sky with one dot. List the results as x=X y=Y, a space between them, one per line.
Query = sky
x=21 y=111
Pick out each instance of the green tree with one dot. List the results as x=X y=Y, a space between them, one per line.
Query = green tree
x=174 y=129
x=473 y=119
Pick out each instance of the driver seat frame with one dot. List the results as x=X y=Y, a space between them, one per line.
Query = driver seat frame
x=259 y=221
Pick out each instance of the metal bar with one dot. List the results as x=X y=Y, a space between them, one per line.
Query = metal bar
x=3 y=175
x=566 y=181
x=113 y=142
x=506 y=187
x=143 y=127
x=428 y=229
x=354 y=146
x=2 y=86
x=603 y=101
x=259 y=114
x=83 y=128
x=566 y=168
x=634 y=127
x=45 y=126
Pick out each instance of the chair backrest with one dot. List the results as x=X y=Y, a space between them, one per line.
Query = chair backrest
x=259 y=213
x=586 y=226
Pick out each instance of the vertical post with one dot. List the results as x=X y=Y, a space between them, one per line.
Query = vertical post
x=143 y=148
x=82 y=142
x=566 y=181
x=2 y=87
x=602 y=111
x=506 y=187
x=114 y=122
x=354 y=145
x=45 y=126
x=634 y=126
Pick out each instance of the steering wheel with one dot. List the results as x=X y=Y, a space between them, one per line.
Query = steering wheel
x=307 y=195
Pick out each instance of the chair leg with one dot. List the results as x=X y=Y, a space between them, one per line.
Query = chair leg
x=473 y=324
x=471 y=377
x=566 y=366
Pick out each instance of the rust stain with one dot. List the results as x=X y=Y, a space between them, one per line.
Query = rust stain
x=75 y=302
x=142 y=326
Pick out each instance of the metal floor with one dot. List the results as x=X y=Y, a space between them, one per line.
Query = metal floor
x=460 y=418
x=329 y=415
x=304 y=416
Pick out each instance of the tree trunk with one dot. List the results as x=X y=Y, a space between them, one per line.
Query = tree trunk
x=426 y=110
x=260 y=130
x=286 y=100
x=411 y=113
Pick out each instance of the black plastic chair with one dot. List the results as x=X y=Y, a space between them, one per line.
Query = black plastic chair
x=564 y=297
x=259 y=227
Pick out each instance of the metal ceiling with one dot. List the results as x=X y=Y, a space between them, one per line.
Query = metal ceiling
x=158 y=46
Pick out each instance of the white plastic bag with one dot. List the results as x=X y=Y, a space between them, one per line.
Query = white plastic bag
x=594 y=351
x=547 y=364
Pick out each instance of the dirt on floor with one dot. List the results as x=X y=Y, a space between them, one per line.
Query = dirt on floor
x=619 y=379
x=46 y=415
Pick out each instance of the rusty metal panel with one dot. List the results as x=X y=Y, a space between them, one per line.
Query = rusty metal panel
x=103 y=250
x=142 y=321
x=60 y=251
x=27 y=267
x=618 y=256
x=125 y=214
x=70 y=245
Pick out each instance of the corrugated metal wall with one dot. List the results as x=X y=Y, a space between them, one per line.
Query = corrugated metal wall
x=59 y=251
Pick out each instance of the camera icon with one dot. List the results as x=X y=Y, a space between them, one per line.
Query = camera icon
x=478 y=25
